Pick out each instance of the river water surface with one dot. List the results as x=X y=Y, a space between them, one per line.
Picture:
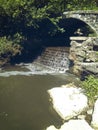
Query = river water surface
x=24 y=101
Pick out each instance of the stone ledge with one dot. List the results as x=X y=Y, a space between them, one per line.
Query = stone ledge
x=81 y=12
x=78 y=38
x=81 y=38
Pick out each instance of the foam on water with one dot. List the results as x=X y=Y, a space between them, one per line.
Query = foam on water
x=55 y=58
x=52 y=61
x=32 y=69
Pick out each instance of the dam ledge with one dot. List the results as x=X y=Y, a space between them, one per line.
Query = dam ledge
x=80 y=38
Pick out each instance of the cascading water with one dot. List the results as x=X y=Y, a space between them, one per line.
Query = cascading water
x=54 y=58
x=51 y=60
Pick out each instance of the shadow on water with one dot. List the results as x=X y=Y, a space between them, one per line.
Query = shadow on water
x=24 y=102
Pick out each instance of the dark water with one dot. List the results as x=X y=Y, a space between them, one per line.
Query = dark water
x=24 y=101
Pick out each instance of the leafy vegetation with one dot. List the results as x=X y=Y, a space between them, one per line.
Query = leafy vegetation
x=35 y=20
x=8 y=49
x=90 y=85
x=30 y=13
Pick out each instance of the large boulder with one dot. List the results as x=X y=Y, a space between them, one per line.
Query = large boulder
x=68 y=101
x=76 y=125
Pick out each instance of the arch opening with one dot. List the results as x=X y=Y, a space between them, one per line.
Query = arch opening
x=73 y=26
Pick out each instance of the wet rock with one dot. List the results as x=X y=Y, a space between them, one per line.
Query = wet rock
x=83 y=52
x=68 y=101
x=94 y=122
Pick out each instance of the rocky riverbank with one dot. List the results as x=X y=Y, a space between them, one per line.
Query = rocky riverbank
x=72 y=105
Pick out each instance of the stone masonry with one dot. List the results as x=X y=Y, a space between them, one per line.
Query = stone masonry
x=88 y=16
x=84 y=55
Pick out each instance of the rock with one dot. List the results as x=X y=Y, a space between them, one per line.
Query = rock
x=91 y=56
x=90 y=70
x=68 y=101
x=77 y=69
x=51 y=128
x=85 y=51
x=73 y=125
x=76 y=125
x=90 y=111
x=81 y=116
x=94 y=122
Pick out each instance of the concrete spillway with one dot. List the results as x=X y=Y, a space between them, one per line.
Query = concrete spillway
x=55 y=58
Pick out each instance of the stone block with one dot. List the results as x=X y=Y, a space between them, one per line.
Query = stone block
x=91 y=56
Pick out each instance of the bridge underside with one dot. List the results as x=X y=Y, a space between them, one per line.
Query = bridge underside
x=72 y=27
x=90 y=17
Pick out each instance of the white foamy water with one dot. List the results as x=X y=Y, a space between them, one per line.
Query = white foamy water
x=31 y=69
x=53 y=60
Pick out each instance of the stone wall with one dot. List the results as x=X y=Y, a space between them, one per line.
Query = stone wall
x=84 y=55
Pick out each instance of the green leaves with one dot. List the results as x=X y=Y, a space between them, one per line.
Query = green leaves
x=34 y=10
x=24 y=20
x=90 y=85
x=7 y=48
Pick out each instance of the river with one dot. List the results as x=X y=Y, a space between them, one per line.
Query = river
x=24 y=101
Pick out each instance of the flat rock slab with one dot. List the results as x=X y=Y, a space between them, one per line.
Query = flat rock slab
x=68 y=101
x=73 y=125
x=76 y=125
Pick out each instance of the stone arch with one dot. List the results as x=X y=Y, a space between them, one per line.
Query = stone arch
x=90 y=17
x=88 y=24
x=71 y=25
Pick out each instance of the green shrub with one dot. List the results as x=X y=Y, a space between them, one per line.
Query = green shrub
x=8 y=48
x=90 y=85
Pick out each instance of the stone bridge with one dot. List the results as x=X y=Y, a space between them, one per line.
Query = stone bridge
x=89 y=17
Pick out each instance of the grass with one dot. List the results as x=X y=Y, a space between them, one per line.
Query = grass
x=90 y=85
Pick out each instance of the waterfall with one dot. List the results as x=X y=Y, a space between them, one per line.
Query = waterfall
x=54 y=58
